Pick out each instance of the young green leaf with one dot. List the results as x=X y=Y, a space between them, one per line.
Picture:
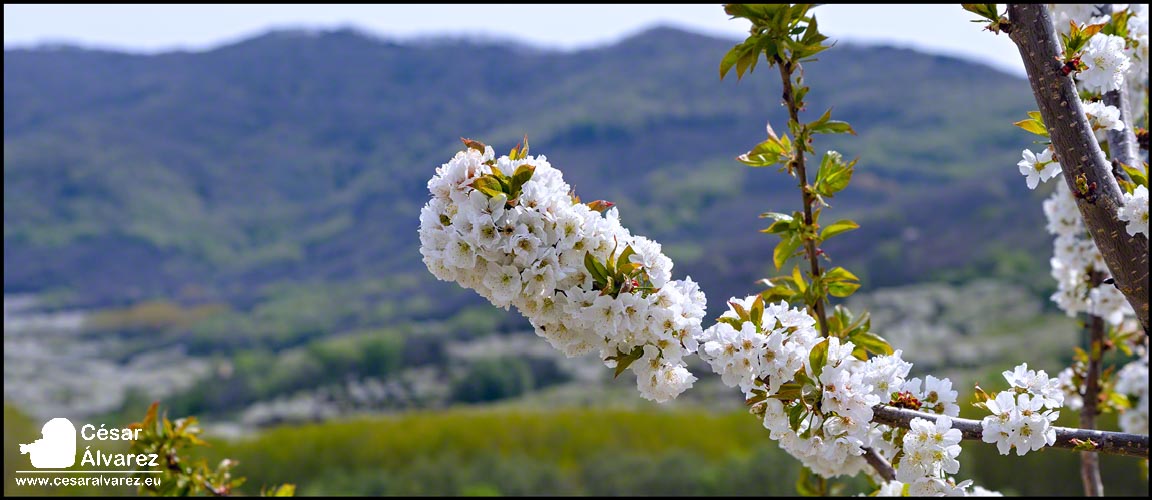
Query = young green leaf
x=798 y=279
x=623 y=361
x=833 y=174
x=784 y=250
x=1034 y=124
x=834 y=127
x=757 y=312
x=841 y=282
x=842 y=289
x=522 y=176
x=838 y=227
x=818 y=357
x=624 y=255
x=985 y=10
x=730 y=59
x=489 y=185
x=740 y=311
x=595 y=268
x=825 y=125
x=837 y=274
x=871 y=342
x=1138 y=178
x=767 y=153
x=795 y=415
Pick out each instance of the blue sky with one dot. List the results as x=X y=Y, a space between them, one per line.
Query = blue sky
x=942 y=29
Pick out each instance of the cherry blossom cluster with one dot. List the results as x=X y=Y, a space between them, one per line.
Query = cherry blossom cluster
x=1132 y=382
x=934 y=488
x=1110 y=61
x=1022 y=416
x=548 y=255
x=816 y=397
x=1137 y=51
x=930 y=451
x=1073 y=387
x=1075 y=258
x=1135 y=211
x=1102 y=118
x=762 y=357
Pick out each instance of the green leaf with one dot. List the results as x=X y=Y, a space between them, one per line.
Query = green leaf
x=623 y=361
x=871 y=342
x=812 y=32
x=776 y=227
x=489 y=185
x=595 y=268
x=1118 y=25
x=798 y=279
x=729 y=60
x=825 y=125
x=838 y=227
x=767 y=153
x=838 y=273
x=624 y=255
x=834 y=127
x=818 y=357
x=795 y=414
x=841 y=282
x=740 y=311
x=985 y=10
x=833 y=175
x=1139 y=178
x=784 y=250
x=822 y=120
x=733 y=322
x=801 y=93
x=842 y=289
x=1034 y=125
x=610 y=269
x=769 y=47
x=778 y=293
x=1120 y=401
x=757 y=312
x=522 y=176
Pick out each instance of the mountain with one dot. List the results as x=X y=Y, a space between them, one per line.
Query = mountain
x=301 y=157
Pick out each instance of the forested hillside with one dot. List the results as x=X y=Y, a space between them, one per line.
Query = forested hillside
x=237 y=227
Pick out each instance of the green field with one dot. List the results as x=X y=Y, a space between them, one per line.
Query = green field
x=569 y=452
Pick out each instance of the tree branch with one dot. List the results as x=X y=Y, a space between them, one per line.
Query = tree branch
x=1112 y=443
x=1122 y=143
x=1089 y=460
x=786 y=69
x=877 y=462
x=1079 y=154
